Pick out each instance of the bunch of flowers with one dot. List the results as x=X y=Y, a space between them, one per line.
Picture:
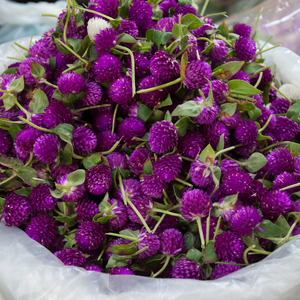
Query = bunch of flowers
x=143 y=139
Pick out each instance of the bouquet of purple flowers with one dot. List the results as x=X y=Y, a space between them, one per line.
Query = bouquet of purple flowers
x=140 y=138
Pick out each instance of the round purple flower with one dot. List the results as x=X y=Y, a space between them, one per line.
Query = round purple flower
x=129 y=27
x=165 y=24
x=286 y=179
x=200 y=174
x=98 y=179
x=244 y=151
x=57 y=171
x=70 y=83
x=286 y=129
x=242 y=29
x=279 y=161
x=5 y=141
x=138 y=159
x=187 y=269
x=245 y=48
x=84 y=140
x=142 y=64
x=103 y=121
x=191 y=144
x=223 y=270
x=280 y=106
x=89 y=235
x=164 y=66
x=227 y=209
x=140 y=12
x=152 y=186
x=228 y=164
x=26 y=138
x=266 y=79
x=46 y=148
x=42 y=229
x=184 y=10
x=41 y=199
x=166 y=5
x=105 y=40
x=108 y=8
x=231 y=121
x=131 y=127
x=213 y=132
x=208 y=113
x=16 y=210
x=120 y=90
x=274 y=203
x=120 y=271
x=148 y=239
x=246 y=132
x=219 y=88
x=195 y=204
x=107 y=68
x=240 y=75
x=132 y=189
x=263 y=118
x=218 y=52
x=163 y=137
x=71 y=257
x=228 y=246
x=196 y=75
x=117 y=160
x=93 y=94
x=244 y=220
x=85 y=209
x=120 y=213
x=142 y=204
x=171 y=242
x=297 y=164
x=92 y=267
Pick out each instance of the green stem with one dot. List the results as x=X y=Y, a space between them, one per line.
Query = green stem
x=216 y=14
x=180 y=28
x=66 y=23
x=18 y=51
x=167 y=197
x=65 y=208
x=73 y=8
x=10 y=57
x=21 y=107
x=132 y=67
x=50 y=15
x=73 y=68
x=186 y=158
x=227 y=149
x=185 y=48
x=274 y=145
x=107 y=212
x=4 y=91
x=122 y=236
x=215 y=189
x=281 y=93
x=259 y=71
x=35 y=126
x=260 y=52
x=114 y=119
x=290 y=186
x=266 y=124
x=204 y=8
x=204 y=39
x=285 y=239
x=113 y=147
x=104 y=248
x=242 y=164
x=22 y=47
x=266 y=42
x=242 y=97
x=158 y=223
x=90 y=107
x=207 y=228
x=141 y=145
x=168 y=257
x=8 y=179
x=183 y=182
x=51 y=84
x=58 y=212
x=167 y=212
x=256 y=22
x=224 y=40
x=246 y=253
x=96 y=13
x=229 y=264
x=258 y=80
x=160 y=86
x=200 y=232
x=217 y=227
x=122 y=189
x=29 y=160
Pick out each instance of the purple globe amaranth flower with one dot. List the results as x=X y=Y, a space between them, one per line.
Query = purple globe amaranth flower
x=191 y=144
x=42 y=229
x=196 y=75
x=279 y=161
x=152 y=186
x=92 y=267
x=242 y=29
x=171 y=242
x=84 y=140
x=195 y=204
x=70 y=83
x=85 y=209
x=140 y=12
x=266 y=79
x=71 y=257
x=152 y=98
x=246 y=132
x=138 y=159
x=257 y=192
x=90 y=235
x=132 y=189
x=98 y=179
x=103 y=121
x=240 y=75
x=120 y=90
x=163 y=137
x=142 y=204
x=227 y=165
x=128 y=27
x=120 y=271
x=201 y=174
x=286 y=179
x=142 y=65
x=108 y=8
x=5 y=141
x=187 y=269
x=191 y=50
x=244 y=220
x=131 y=127
x=107 y=68
x=218 y=52
x=263 y=118
x=274 y=203
x=221 y=270
x=184 y=10
x=219 y=88
x=41 y=199
x=16 y=210
x=46 y=148
x=25 y=70
x=163 y=66
x=231 y=121
x=286 y=129
x=245 y=48
x=167 y=168
x=55 y=113
x=280 y=106
x=120 y=213
x=213 y=132
x=57 y=171
x=105 y=40
x=208 y=113
x=227 y=209
x=228 y=246
x=148 y=239
x=236 y=181
x=165 y=24
x=117 y=160
x=166 y=5
x=93 y=94
x=297 y=164
x=132 y=110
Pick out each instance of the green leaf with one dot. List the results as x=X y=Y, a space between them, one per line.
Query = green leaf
x=52 y=63
x=216 y=175
x=208 y=270
x=130 y=233
x=263 y=137
x=266 y=94
x=104 y=220
x=221 y=143
x=185 y=2
x=229 y=108
x=125 y=173
x=246 y=106
x=156 y=116
x=242 y=87
x=176 y=31
x=208 y=49
x=293 y=112
x=2 y=203
x=168 y=116
x=24 y=191
x=76 y=178
x=64 y=157
x=144 y=112
x=84 y=45
x=123 y=9
x=229 y=69
x=126 y=38
x=191 y=21
x=282 y=223
x=223 y=30
x=64 y=131
x=157 y=37
x=190 y=240
x=37 y=70
x=61 y=49
x=194 y=255
x=17 y=85
x=252 y=240
x=270 y=230
x=10 y=162
x=67 y=219
x=254 y=114
x=70 y=244
x=148 y=166
x=207 y=154
x=13 y=130
x=78 y=19
x=267 y=184
x=182 y=125
x=209 y=255
x=166 y=36
x=251 y=67
x=75 y=43
x=126 y=249
x=190 y=109
x=183 y=64
x=92 y=161
x=293 y=147
x=166 y=102
x=255 y=162
x=27 y=174
x=8 y=102
x=39 y=102
x=112 y=262
x=149 y=35
x=10 y=71
x=183 y=42
x=74 y=97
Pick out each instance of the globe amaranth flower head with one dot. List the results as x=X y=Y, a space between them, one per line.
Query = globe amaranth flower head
x=240 y=75
x=192 y=143
x=95 y=25
x=221 y=270
x=208 y=113
x=120 y=90
x=266 y=79
x=42 y=229
x=286 y=179
x=90 y=235
x=245 y=220
x=218 y=52
x=213 y=132
x=70 y=83
x=187 y=269
x=16 y=210
x=103 y=121
x=280 y=106
x=286 y=129
x=108 y=8
x=263 y=118
x=229 y=246
x=117 y=160
x=141 y=12
x=279 y=161
x=246 y=132
x=245 y=48
x=142 y=65
x=25 y=70
x=165 y=24
x=137 y=160
x=5 y=141
x=195 y=204
x=226 y=209
x=98 y=179
x=171 y=242
x=242 y=29
x=233 y=121
x=84 y=140
x=219 y=88
x=146 y=239
x=93 y=94
x=46 y=148
x=166 y=5
x=71 y=257
x=57 y=171
x=201 y=174
x=105 y=40
x=92 y=267
x=152 y=185
x=163 y=137
x=25 y=139
x=120 y=215
x=41 y=199
x=142 y=204
x=120 y=271
x=85 y=209
x=184 y=10
x=132 y=189
x=128 y=27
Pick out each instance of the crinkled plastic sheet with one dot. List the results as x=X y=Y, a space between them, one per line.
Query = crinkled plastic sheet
x=28 y=271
